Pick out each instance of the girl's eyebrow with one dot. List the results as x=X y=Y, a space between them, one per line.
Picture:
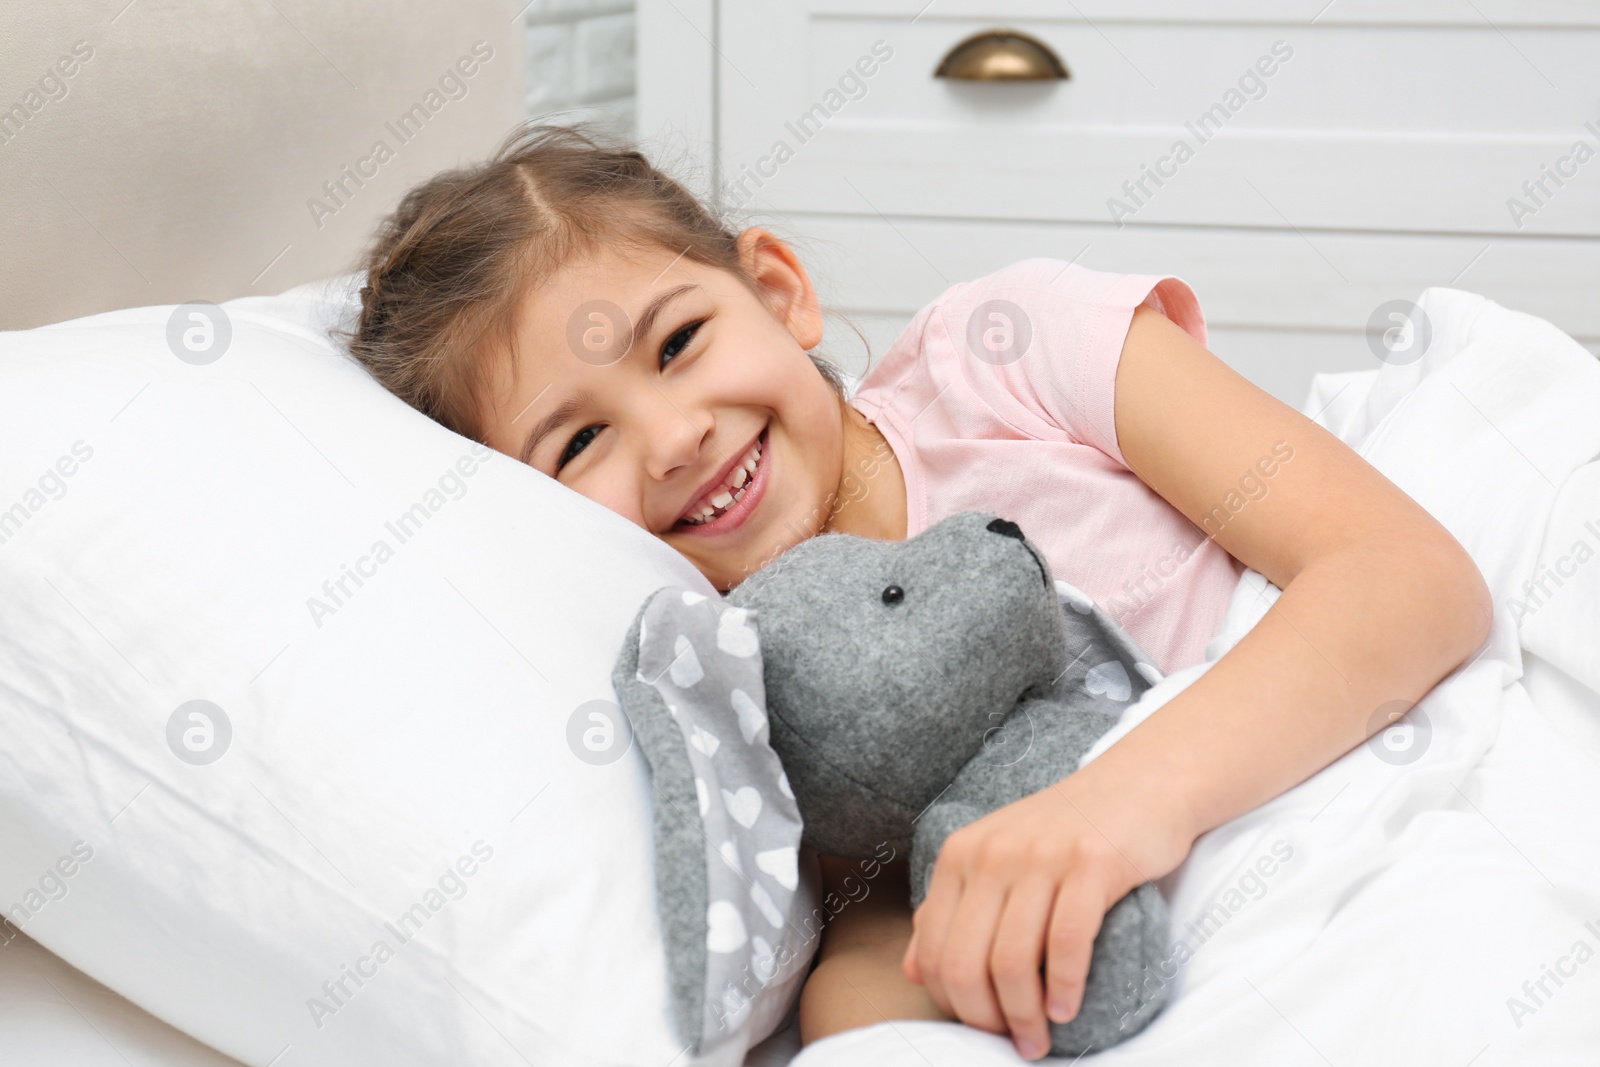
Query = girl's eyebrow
x=551 y=422
x=647 y=318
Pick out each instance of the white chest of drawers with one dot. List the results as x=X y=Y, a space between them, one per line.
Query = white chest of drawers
x=1298 y=163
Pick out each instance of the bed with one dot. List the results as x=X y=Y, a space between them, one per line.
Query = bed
x=1443 y=885
x=1437 y=899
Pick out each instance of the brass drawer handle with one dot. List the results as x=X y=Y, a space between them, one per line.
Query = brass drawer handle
x=1002 y=55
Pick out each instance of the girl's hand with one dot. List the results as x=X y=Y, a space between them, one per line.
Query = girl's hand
x=1025 y=884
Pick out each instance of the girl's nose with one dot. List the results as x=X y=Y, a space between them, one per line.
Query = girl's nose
x=674 y=437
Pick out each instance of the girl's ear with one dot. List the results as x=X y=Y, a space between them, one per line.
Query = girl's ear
x=785 y=287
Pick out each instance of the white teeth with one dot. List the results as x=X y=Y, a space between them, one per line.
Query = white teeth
x=731 y=491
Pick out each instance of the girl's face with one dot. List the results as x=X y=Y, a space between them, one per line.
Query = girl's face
x=708 y=426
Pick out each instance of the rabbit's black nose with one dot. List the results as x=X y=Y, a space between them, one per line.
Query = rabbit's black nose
x=1006 y=528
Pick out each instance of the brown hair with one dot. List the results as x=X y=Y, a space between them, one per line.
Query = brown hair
x=446 y=269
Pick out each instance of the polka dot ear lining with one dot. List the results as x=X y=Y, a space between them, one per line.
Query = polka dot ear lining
x=727 y=829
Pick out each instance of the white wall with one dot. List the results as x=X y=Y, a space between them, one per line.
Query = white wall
x=580 y=62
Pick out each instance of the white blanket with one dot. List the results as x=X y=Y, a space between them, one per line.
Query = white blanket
x=1443 y=911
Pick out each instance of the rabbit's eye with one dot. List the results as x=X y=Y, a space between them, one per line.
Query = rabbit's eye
x=893 y=594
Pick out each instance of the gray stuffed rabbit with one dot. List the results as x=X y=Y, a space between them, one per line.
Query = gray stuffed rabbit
x=912 y=687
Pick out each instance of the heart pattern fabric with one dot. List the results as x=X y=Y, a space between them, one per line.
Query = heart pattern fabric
x=700 y=661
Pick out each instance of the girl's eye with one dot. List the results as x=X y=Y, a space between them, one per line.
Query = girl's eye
x=678 y=342
x=580 y=441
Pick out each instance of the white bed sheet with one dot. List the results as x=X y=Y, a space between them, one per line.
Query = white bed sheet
x=54 y=1015
x=1420 y=898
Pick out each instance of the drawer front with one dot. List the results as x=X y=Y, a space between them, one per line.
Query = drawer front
x=1244 y=278
x=1279 y=305
x=1411 y=116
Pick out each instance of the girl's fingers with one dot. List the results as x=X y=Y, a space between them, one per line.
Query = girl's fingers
x=963 y=966
x=1074 y=922
x=1014 y=963
x=929 y=923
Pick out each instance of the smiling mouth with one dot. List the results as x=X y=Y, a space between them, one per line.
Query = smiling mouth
x=720 y=499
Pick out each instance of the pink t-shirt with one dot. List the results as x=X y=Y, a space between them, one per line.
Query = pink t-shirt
x=998 y=398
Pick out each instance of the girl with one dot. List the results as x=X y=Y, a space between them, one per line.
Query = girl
x=569 y=305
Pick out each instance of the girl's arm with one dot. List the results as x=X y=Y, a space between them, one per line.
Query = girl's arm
x=857 y=980
x=1379 y=602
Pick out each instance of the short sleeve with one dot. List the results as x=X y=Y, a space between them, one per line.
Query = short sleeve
x=1042 y=339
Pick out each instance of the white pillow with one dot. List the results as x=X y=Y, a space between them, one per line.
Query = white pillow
x=402 y=631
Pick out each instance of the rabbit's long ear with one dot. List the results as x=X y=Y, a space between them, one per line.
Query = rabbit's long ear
x=679 y=837
x=1106 y=661
x=727 y=829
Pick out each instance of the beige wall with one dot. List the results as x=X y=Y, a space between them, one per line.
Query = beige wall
x=186 y=156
